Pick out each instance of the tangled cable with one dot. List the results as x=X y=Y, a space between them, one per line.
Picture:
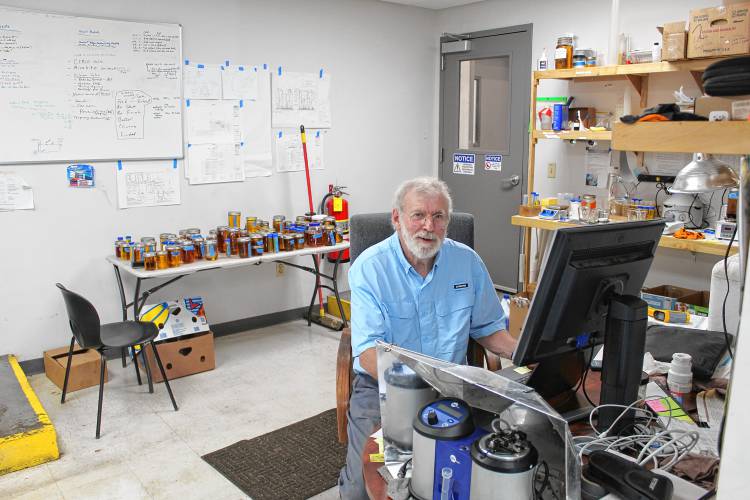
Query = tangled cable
x=652 y=441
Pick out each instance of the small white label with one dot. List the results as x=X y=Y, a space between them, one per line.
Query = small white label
x=493 y=162
x=463 y=163
x=561 y=53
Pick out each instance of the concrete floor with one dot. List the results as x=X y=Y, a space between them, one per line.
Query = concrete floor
x=264 y=379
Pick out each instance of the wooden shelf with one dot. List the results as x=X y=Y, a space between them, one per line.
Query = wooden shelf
x=729 y=138
x=586 y=135
x=622 y=71
x=711 y=247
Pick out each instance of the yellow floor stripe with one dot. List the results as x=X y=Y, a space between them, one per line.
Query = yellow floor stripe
x=35 y=447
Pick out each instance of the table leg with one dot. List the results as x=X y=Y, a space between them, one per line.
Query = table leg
x=124 y=310
x=336 y=288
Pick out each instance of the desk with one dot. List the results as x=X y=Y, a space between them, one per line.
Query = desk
x=175 y=273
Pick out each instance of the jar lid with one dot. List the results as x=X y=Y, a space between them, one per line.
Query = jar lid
x=222 y=228
x=234 y=213
x=279 y=217
x=243 y=239
x=149 y=254
x=161 y=252
x=147 y=239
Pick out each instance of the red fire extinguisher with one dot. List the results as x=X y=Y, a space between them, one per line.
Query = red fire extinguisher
x=334 y=204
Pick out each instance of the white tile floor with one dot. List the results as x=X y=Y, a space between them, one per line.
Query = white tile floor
x=264 y=379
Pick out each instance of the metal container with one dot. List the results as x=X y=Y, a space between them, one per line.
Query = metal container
x=406 y=393
x=503 y=462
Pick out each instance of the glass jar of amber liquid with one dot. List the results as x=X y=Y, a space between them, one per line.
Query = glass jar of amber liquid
x=210 y=251
x=222 y=236
x=198 y=242
x=278 y=220
x=299 y=241
x=149 y=261
x=234 y=219
x=149 y=243
x=188 y=252
x=125 y=252
x=564 y=52
x=271 y=243
x=250 y=223
x=234 y=233
x=174 y=255
x=257 y=245
x=287 y=242
x=339 y=235
x=313 y=236
x=136 y=254
x=162 y=259
x=243 y=247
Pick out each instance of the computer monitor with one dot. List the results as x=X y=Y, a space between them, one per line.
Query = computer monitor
x=587 y=295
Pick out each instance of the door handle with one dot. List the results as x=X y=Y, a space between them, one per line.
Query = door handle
x=475 y=113
x=513 y=180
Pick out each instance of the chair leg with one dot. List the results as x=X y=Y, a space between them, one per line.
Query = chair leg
x=135 y=363
x=147 y=366
x=101 y=393
x=163 y=375
x=67 y=370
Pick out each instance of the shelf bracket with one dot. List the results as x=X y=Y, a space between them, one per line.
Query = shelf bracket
x=635 y=81
x=698 y=77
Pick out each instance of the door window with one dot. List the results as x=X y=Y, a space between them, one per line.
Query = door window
x=484 y=104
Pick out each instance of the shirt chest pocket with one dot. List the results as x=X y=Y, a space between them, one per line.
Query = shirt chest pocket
x=454 y=321
x=403 y=329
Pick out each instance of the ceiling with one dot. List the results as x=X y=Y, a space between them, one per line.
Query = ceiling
x=433 y=4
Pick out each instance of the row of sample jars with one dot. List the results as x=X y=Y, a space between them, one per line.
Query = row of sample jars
x=190 y=245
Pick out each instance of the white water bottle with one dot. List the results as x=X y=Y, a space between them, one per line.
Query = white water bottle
x=680 y=376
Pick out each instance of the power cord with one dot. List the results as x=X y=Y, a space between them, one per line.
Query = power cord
x=726 y=296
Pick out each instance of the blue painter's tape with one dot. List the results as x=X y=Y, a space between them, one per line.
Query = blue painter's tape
x=189 y=145
x=255 y=68
x=241 y=68
x=242 y=143
x=265 y=66
x=321 y=72
x=187 y=103
x=174 y=163
x=280 y=134
x=119 y=164
x=241 y=103
x=317 y=134
x=226 y=63
x=201 y=66
x=279 y=70
x=222 y=67
x=187 y=62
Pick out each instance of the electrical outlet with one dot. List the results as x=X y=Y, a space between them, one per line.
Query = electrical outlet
x=279 y=269
x=551 y=170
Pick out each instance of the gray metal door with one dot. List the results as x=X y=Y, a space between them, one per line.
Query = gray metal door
x=485 y=86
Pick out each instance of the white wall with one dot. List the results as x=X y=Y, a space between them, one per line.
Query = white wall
x=589 y=21
x=382 y=58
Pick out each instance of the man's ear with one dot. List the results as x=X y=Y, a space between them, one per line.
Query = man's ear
x=395 y=221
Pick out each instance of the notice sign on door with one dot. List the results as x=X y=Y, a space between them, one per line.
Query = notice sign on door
x=493 y=162
x=463 y=163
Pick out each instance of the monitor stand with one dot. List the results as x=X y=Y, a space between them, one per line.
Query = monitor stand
x=554 y=379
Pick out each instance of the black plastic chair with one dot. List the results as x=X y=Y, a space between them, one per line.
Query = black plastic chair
x=91 y=334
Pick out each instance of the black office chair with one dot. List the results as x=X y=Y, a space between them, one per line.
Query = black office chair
x=91 y=334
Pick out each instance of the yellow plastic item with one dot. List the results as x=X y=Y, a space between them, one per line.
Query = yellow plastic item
x=547 y=202
x=668 y=316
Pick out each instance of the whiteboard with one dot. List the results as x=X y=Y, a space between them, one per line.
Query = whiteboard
x=77 y=88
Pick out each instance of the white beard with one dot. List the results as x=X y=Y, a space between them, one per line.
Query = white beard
x=419 y=250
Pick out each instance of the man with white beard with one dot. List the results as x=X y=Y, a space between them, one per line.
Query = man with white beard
x=419 y=290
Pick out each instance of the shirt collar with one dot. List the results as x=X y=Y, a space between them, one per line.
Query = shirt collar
x=405 y=265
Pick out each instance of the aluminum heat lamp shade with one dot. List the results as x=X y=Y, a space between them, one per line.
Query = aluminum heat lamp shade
x=703 y=174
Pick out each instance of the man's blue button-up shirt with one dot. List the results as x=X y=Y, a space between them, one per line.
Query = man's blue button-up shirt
x=434 y=315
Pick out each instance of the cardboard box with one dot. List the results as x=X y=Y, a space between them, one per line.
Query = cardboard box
x=84 y=367
x=175 y=318
x=719 y=31
x=696 y=303
x=519 y=308
x=183 y=356
x=721 y=106
x=741 y=110
x=588 y=116
x=673 y=41
x=665 y=296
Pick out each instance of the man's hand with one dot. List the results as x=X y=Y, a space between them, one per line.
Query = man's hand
x=500 y=342
x=368 y=360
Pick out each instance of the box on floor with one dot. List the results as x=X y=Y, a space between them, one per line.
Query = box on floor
x=84 y=367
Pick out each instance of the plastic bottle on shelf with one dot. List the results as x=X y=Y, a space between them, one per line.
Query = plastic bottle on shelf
x=656 y=52
x=680 y=376
x=543 y=63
